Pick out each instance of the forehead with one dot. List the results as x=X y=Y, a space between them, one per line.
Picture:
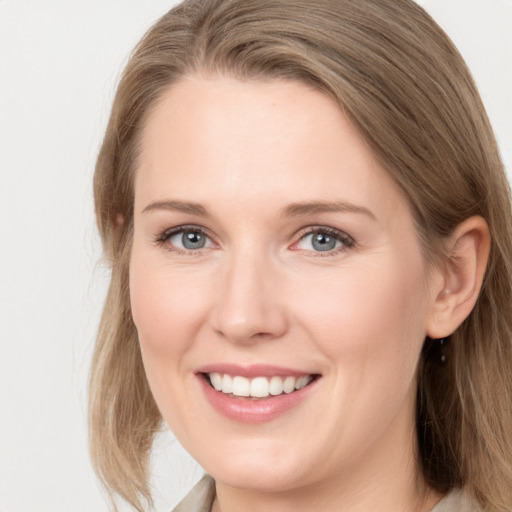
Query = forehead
x=241 y=142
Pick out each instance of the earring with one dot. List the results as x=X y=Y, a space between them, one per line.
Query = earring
x=442 y=356
x=434 y=350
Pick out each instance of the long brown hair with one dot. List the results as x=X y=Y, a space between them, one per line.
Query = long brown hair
x=405 y=87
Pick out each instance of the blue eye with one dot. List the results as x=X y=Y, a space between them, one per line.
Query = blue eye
x=185 y=239
x=325 y=240
x=189 y=240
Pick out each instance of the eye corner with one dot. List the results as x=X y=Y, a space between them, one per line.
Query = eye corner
x=179 y=246
x=335 y=240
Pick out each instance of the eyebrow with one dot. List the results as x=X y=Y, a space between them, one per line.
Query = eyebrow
x=292 y=210
x=178 y=206
x=314 y=207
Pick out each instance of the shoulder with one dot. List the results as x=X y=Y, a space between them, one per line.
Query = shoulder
x=200 y=498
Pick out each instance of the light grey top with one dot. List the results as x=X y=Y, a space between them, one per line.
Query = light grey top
x=456 y=501
x=200 y=499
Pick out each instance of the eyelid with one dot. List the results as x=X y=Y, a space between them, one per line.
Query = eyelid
x=165 y=235
x=346 y=240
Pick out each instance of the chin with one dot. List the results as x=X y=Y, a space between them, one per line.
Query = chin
x=258 y=468
x=264 y=479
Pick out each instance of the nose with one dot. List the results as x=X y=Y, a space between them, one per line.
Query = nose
x=250 y=305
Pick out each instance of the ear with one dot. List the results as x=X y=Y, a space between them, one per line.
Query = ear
x=460 y=277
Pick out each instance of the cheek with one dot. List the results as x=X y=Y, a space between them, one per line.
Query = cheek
x=168 y=309
x=168 y=306
x=369 y=324
x=366 y=315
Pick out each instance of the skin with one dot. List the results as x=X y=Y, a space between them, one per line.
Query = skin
x=259 y=292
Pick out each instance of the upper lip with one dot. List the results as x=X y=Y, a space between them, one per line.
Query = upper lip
x=252 y=370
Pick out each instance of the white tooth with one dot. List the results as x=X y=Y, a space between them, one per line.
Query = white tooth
x=259 y=387
x=216 y=380
x=240 y=386
x=289 y=384
x=276 y=386
x=303 y=381
x=227 y=384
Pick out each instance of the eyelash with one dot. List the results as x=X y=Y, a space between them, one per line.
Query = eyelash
x=347 y=241
x=164 y=237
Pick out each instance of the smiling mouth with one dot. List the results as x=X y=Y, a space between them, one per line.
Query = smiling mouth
x=258 y=387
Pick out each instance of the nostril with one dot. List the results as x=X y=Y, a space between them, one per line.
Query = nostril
x=245 y=311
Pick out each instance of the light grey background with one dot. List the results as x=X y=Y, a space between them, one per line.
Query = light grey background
x=59 y=63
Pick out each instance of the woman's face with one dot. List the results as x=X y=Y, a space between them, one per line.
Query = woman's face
x=272 y=252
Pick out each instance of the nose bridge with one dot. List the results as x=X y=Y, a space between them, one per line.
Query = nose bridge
x=248 y=305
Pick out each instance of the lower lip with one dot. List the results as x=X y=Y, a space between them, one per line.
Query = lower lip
x=250 y=410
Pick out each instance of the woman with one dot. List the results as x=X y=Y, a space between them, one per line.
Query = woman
x=309 y=229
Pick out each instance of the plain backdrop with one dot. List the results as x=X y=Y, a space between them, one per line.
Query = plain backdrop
x=59 y=64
